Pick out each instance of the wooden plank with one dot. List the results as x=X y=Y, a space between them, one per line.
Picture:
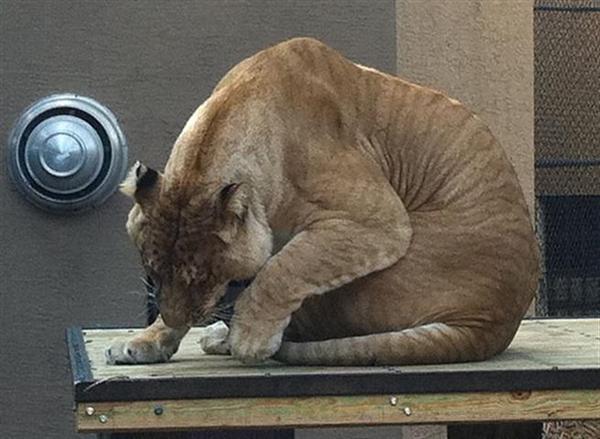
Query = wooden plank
x=547 y=354
x=338 y=410
x=539 y=344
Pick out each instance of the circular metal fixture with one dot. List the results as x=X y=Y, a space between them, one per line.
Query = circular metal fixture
x=67 y=153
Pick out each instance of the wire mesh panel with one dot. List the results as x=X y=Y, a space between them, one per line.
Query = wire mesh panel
x=569 y=228
x=567 y=145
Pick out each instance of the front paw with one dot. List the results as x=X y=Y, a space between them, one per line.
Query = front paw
x=252 y=344
x=137 y=351
x=214 y=339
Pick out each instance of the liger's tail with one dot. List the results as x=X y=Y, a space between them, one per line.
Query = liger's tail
x=427 y=344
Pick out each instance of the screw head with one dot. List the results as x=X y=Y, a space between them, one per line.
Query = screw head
x=103 y=419
x=393 y=400
x=407 y=411
x=89 y=410
x=158 y=410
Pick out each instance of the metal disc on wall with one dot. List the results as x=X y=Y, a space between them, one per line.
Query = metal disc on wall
x=67 y=153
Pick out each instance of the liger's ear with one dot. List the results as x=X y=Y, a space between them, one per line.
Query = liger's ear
x=142 y=183
x=232 y=206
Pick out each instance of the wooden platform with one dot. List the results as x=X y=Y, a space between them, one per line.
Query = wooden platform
x=550 y=371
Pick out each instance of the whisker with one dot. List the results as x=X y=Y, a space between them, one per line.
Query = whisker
x=224 y=305
x=148 y=284
x=230 y=319
x=141 y=314
x=135 y=293
x=222 y=315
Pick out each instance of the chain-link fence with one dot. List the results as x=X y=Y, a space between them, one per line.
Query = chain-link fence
x=567 y=145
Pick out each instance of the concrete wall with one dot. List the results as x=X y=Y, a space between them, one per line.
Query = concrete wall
x=152 y=63
x=480 y=52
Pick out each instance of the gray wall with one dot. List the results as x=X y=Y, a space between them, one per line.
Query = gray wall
x=152 y=63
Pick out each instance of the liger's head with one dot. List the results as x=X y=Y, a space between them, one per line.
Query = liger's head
x=194 y=240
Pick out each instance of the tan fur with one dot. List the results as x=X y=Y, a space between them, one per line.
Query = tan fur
x=410 y=237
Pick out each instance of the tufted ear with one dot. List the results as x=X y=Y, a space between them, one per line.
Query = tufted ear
x=231 y=209
x=142 y=183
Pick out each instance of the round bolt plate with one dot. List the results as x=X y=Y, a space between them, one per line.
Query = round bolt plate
x=67 y=153
x=62 y=154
